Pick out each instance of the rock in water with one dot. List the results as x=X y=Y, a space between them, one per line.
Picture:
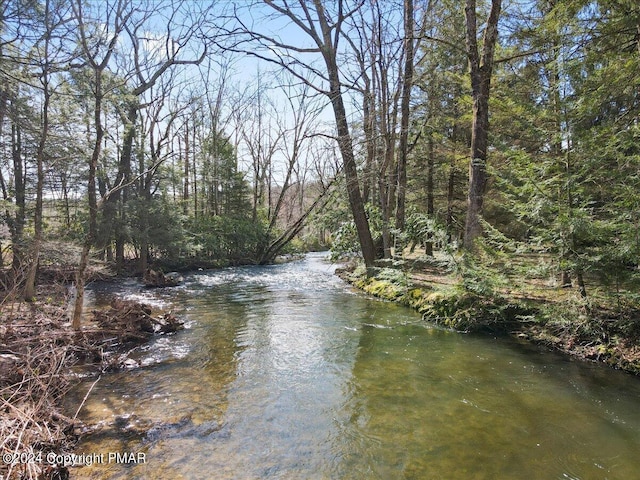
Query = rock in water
x=157 y=279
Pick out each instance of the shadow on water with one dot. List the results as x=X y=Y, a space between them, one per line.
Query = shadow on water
x=284 y=372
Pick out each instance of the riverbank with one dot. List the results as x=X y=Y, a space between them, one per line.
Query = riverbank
x=285 y=372
x=39 y=351
x=533 y=309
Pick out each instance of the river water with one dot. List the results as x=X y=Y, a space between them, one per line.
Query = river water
x=284 y=372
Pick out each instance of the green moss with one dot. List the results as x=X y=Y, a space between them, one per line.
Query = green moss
x=379 y=288
x=455 y=308
x=416 y=298
x=593 y=332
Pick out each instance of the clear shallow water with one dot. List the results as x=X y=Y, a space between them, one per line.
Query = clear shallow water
x=286 y=373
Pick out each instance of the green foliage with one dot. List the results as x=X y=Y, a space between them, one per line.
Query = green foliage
x=475 y=275
x=459 y=310
x=568 y=141
x=225 y=239
x=236 y=198
x=420 y=227
x=442 y=121
x=159 y=224
x=345 y=241
x=382 y=288
x=306 y=243
x=396 y=276
x=77 y=228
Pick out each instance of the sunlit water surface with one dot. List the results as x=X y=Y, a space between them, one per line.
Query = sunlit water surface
x=286 y=373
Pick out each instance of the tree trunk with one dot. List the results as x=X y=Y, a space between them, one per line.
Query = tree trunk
x=120 y=197
x=383 y=188
x=478 y=163
x=97 y=68
x=481 y=67
x=428 y=249
x=407 y=84
x=93 y=206
x=574 y=242
x=3 y=111
x=18 y=220
x=345 y=142
x=351 y=173
x=386 y=182
x=185 y=192
x=451 y=185
x=65 y=200
x=144 y=256
x=80 y=282
x=581 y=286
x=30 y=284
x=194 y=172
x=556 y=144
x=368 y=114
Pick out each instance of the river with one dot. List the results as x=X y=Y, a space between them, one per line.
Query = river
x=285 y=372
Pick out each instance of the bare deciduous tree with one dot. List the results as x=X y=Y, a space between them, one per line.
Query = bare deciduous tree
x=323 y=24
x=97 y=48
x=150 y=57
x=50 y=58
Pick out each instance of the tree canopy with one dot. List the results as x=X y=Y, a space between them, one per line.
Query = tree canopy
x=175 y=133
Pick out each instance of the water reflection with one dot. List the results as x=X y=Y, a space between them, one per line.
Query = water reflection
x=432 y=405
x=286 y=373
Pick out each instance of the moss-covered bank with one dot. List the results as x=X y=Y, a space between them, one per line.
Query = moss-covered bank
x=595 y=332
x=449 y=305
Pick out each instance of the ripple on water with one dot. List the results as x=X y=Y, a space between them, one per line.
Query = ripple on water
x=286 y=374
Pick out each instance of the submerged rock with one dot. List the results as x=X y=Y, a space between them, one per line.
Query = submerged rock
x=157 y=279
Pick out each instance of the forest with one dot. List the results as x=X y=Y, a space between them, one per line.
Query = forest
x=182 y=134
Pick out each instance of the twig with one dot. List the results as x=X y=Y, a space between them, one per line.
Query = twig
x=86 y=396
x=18 y=443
